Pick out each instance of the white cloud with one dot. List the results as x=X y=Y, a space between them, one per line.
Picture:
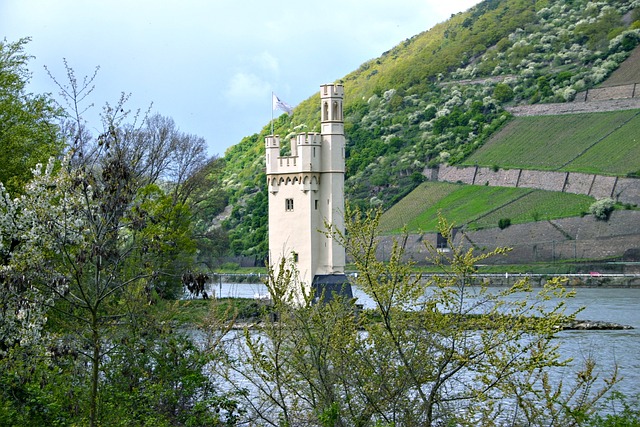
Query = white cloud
x=245 y=88
x=267 y=62
x=214 y=59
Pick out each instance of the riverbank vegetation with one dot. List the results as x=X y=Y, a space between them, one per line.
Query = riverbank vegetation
x=433 y=352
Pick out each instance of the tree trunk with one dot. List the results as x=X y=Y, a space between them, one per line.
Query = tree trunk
x=95 y=370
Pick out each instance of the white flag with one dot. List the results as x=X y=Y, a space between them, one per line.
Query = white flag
x=280 y=105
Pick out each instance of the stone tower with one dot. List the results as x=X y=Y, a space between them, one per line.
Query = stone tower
x=306 y=190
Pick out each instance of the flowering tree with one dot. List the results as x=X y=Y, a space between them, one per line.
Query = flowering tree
x=88 y=246
x=25 y=250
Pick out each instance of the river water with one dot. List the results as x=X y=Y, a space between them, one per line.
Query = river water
x=619 y=305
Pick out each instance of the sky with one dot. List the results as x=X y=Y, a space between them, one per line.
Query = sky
x=211 y=65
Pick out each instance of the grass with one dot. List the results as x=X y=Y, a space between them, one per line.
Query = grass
x=196 y=311
x=478 y=206
x=569 y=142
x=618 y=153
x=627 y=73
x=535 y=206
x=412 y=205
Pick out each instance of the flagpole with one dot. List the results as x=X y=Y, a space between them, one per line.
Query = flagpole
x=272 y=113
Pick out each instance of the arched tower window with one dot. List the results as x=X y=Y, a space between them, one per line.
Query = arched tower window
x=325 y=112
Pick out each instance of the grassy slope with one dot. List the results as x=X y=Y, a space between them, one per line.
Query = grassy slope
x=627 y=73
x=617 y=154
x=411 y=68
x=478 y=206
x=601 y=143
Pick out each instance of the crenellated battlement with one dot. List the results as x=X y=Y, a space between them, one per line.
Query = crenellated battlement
x=272 y=141
x=309 y=138
x=306 y=154
x=332 y=90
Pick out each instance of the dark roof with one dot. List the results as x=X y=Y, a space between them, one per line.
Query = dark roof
x=331 y=284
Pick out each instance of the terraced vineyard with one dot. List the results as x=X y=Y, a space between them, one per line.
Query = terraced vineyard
x=627 y=73
x=414 y=204
x=536 y=205
x=478 y=206
x=570 y=142
x=618 y=153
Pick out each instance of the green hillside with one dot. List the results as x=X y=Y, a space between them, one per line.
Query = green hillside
x=438 y=96
x=478 y=207
x=600 y=143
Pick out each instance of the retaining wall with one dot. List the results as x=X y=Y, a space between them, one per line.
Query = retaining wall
x=624 y=190
x=607 y=93
x=542 y=241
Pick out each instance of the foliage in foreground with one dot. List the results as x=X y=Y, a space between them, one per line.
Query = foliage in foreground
x=431 y=352
x=28 y=133
x=95 y=238
x=83 y=256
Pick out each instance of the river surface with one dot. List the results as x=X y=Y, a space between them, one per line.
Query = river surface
x=619 y=305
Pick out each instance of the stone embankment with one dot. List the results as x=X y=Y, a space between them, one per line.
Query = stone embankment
x=624 y=190
x=576 y=238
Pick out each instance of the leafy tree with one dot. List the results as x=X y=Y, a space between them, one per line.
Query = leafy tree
x=28 y=134
x=165 y=245
x=208 y=199
x=602 y=208
x=159 y=376
x=28 y=288
x=84 y=252
x=432 y=351
x=503 y=92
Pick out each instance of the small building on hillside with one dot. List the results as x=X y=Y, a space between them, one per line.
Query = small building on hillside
x=306 y=192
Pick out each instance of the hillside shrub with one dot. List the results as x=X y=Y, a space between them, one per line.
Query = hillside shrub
x=602 y=208
x=504 y=223
x=503 y=92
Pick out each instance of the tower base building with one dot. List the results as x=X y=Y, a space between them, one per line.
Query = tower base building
x=306 y=196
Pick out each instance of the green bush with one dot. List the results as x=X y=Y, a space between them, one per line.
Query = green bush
x=602 y=208
x=504 y=223
x=503 y=92
x=625 y=414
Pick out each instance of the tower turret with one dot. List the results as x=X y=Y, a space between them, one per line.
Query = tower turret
x=306 y=191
